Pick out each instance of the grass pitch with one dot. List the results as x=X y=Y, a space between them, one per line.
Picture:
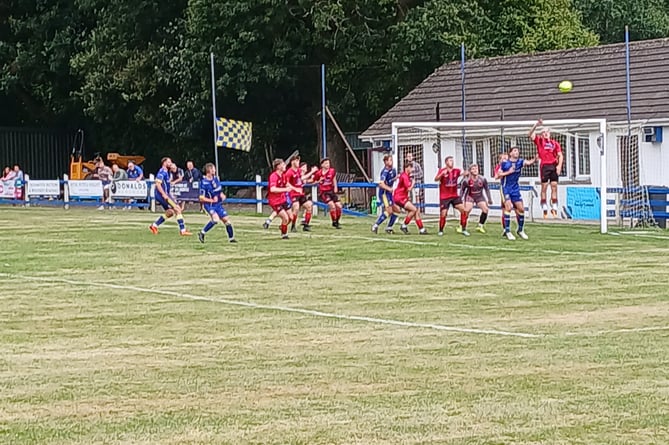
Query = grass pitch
x=112 y=335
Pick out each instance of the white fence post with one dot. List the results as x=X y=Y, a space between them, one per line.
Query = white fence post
x=258 y=194
x=152 y=191
x=314 y=198
x=26 y=197
x=66 y=192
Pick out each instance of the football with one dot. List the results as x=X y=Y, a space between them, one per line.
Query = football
x=565 y=86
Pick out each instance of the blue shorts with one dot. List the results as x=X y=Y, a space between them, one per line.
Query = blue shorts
x=170 y=203
x=513 y=195
x=386 y=199
x=215 y=209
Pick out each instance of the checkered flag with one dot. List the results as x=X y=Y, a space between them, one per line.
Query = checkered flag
x=234 y=134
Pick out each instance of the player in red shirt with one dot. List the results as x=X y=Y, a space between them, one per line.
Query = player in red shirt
x=296 y=178
x=447 y=177
x=401 y=200
x=328 y=189
x=276 y=196
x=551 y=159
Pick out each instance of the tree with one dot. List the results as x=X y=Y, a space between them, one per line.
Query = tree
x=647 y=19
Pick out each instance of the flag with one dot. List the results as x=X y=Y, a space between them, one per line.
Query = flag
x=234 y=134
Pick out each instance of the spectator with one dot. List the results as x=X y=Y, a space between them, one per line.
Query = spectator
x=119 y=173
x=104 y=174
x=176 y=174
x=135 y=172
x=16 y=175
x=7 y=174
x=19 y=173
x=192 y=174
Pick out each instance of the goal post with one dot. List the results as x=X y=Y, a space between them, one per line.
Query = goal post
x=481 y=141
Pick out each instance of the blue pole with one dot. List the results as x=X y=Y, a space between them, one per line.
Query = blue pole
x=213 y=109
x=464 y=104
x=324 y=147
x=627 y=76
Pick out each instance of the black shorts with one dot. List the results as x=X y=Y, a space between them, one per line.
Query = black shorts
x=549 y=173
x=444 y=204
x=301 y=199
x=279 y=207
x=327 y=197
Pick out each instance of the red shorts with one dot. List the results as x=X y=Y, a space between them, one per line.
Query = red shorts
x=327 y=197
x=402 y=203
x=299 y=198
x=279 y=207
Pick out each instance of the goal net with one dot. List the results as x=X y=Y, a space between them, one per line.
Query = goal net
x=584 y=173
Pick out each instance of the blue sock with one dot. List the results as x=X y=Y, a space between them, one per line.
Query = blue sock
x=392 y=220
x=521 y=220
x=159 y=221
x=382 y=217
x=231 y=233
x=182 y=226
x=507 y=221
x=210 y=225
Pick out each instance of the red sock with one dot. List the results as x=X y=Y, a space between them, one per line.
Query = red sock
x=284 y=229
x=307 y=217
x=419 y=223
x=338 y=213
x=333 y=215
x=294 y=219
x=407 y=220
x=442 y=223
x=463 y=220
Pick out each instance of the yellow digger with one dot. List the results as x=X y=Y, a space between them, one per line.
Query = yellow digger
x=80 y=169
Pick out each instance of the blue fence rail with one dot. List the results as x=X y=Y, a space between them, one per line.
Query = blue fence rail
x=626 y=204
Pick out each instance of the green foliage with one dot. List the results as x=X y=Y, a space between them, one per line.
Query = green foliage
x=136 y=74
x=646 y=19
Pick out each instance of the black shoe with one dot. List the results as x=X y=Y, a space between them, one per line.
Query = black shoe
x=336 y=225
x=405 y=230
x=284 y=236
x=389 y=231
x=293 y=229
x=265 y=225
x=306 y=228
x=232 y=240
x=423 y=232
x=200 y=236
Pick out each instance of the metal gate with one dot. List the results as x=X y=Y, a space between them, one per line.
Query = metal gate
x=41 y=153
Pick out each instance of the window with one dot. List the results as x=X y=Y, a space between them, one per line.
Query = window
x=582 y=156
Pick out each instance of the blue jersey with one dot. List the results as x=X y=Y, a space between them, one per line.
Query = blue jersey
x=163 y=178
x=210 y=188
x=388 y=177
x=135 y=172
x=510 y=182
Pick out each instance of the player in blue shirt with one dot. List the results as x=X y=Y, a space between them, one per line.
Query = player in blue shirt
x=163 y=197
x=509 y=174
x=212 y=197
x=387 y=180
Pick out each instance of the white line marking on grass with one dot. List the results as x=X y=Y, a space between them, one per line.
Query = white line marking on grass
x=617 y=331
x=268 y=307
x=641 y=235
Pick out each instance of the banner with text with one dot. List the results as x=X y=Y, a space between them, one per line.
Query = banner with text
x=129 y=189
x=186 y=191
x=85 y=189
x=7 y=189
x=43 y=187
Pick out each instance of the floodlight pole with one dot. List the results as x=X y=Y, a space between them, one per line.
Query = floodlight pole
x=324 y=148
x=213 y=109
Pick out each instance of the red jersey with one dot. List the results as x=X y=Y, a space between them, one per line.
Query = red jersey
x=328 y=180
x=401 y=193
x=294 y=178
x=276 y=180
x=497 y=168
x=548 y=150
x=448 y=184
